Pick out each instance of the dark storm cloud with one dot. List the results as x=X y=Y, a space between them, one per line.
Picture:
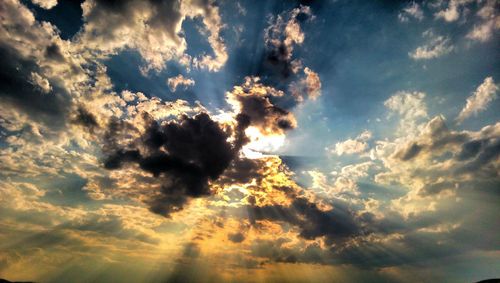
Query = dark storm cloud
x=19 y=90
x=185 y=155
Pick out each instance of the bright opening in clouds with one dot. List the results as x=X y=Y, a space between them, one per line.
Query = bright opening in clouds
x=249 y=141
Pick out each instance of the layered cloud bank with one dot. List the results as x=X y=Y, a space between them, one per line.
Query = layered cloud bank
x=109 y=183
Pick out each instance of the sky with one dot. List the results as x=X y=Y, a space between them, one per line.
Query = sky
x=249 y=141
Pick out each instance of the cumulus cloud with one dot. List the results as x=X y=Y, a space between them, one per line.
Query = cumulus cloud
x=179 y=80
x=479 y=100
x=352 y=146
x=434 y=163
x=436 y=46
x=153 y=28
x=464 y=158
x=341 y=184
x=176 y=153
x=46 y=4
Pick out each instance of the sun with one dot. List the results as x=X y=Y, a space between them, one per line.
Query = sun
x=260 y=144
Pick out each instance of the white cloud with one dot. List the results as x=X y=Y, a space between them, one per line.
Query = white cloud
x=46 y=4
x=437 y=46
x=153 y=29
x=484 y=31
x=308 y=87
x=453 y=11
x=284 y=31
x=479 y=100
x=341 y=184
x=490 y=22
x=352 y=146
x=412 y=10
x=179 y=80
x=486 y=21
x=411 y=107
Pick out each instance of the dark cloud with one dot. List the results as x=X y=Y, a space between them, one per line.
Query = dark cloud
x=185 y=155
x=435 y=188
x=272 y=249
x=53 y=52
x=256 y=108
x=237 y=237
x=277 y=62
x=85 y=118
x=485 y=157
x=242 y=170
x=275 y=251
x=467 y=152
x=471 y=149
x=335 y=224
x=409 y=152
x=440 y=136
x=264 y=114
x=19 y=90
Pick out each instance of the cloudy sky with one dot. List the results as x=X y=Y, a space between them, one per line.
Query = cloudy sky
x=249 y=141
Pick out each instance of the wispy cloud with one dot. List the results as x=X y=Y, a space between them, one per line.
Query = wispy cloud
x=479 y=100
x=435 y=47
